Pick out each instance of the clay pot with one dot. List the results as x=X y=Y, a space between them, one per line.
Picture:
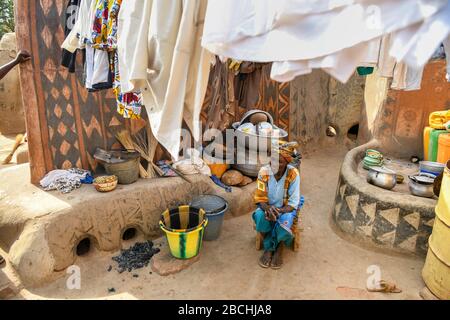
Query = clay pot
x=232 y=177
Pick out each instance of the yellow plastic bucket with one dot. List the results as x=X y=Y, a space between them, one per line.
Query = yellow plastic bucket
x=436 y=272
x=184 y=227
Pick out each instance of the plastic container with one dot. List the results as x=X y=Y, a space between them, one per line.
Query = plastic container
x=184 y=228
x=443 y=148
x=426 y=141
x=433 y=144
x=431 y=167
x=215 y=208
x=436 y=271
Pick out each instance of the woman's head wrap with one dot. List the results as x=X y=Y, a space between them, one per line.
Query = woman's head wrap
x=288 y=150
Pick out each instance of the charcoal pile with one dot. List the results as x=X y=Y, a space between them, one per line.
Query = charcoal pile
x=135 y=257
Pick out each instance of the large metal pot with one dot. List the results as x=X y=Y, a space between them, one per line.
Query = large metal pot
x=257 y=142
x=421 y=187
x=382 y=177
x=252 y=162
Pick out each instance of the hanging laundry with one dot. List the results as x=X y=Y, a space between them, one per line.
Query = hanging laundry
x=82 y=29
x=161 y=56
x=406 y=78
x=104 y=34
x=316 y=31
x=68 y=58
x=129 y=104
x=96 y=28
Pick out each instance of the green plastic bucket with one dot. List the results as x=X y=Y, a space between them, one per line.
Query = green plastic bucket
x=184 y=227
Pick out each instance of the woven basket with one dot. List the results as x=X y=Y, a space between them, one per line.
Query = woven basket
x=105 y=183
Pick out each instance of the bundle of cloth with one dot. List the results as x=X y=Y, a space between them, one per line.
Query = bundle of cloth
x=66 y=181
x=398 y=37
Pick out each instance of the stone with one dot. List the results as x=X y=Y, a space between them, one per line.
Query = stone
x=165 y=264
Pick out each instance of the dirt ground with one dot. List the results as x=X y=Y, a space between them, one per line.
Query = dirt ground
x=325 y=267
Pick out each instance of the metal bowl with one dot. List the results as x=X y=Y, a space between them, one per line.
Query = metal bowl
x=382 y=177
x=257 y=142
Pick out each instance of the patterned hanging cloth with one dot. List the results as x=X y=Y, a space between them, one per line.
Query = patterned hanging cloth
x=104 y=37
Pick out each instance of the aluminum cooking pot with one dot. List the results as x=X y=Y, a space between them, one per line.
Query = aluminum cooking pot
x=382 y=177
x=421 y=189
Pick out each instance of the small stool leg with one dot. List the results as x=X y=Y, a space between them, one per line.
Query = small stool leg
x=259 y=241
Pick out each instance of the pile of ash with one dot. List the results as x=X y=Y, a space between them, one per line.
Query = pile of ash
x=136 y=257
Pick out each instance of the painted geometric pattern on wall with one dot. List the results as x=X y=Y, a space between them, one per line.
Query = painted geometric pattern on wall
x=382 y=223
x=77 y=121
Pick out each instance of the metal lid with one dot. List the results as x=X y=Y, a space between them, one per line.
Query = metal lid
x=382 y=170
x=210 y=203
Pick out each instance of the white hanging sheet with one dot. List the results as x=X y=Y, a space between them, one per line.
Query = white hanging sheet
x=298 y=35
x=160 y=54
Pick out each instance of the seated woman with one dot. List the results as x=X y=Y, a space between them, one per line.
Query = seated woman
x=277 y=197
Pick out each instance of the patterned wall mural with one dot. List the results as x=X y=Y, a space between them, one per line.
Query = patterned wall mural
x=65 y=123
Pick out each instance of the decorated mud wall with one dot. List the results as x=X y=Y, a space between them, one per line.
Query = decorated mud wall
x=318 y=101
x=397 y=118
x=64 y=122
x=12 y=119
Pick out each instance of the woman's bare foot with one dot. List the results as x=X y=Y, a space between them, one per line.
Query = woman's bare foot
x=277 y=258
x=265 y=259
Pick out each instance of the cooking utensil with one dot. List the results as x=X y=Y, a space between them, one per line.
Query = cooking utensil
x=382 y=177
x=421 y=189
x=423 y=179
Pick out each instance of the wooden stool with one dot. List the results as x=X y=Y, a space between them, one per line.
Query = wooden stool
x=295 y=231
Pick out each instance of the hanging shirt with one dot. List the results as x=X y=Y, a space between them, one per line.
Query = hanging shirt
x=82 y=29
x=68 y=58
x=160 y=55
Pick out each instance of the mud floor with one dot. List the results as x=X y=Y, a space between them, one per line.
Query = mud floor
x=326 y=266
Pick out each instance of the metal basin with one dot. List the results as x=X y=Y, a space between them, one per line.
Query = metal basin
x=258 y=142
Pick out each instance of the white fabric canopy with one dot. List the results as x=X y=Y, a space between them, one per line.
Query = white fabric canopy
x=336 y=35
